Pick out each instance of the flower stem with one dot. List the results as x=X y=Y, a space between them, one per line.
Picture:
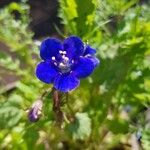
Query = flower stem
x=57 y=107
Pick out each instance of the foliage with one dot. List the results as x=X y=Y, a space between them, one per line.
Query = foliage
x=108 y=107
x=146 y=139
x=81 y=127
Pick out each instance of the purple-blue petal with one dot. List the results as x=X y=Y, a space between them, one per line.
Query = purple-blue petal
x=50 y=47
x=46 y=72
x=89 y=51
x=74 y=47
x=84 y=67
x=66 y=82
x=95 y=60
x=32 y=115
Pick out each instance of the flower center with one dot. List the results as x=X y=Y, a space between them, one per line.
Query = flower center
x=64 y=65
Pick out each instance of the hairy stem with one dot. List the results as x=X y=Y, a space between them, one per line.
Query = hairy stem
x=57 y=107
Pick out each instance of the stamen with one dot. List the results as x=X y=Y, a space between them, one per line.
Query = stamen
x=55 y=63
x=64 y=65
x=60 y=52
x=53 y=58
x=63 y=56
x=61 y=65
x=72 y=61
x=64 y=52
x=66 y=58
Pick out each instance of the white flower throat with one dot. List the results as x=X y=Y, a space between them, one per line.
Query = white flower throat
x=64 y=65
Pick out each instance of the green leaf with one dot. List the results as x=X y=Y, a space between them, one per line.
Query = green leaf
x=146 y=139
x=9 y=116
x=118 y=126
x=31 y=136
x=10 y=111
x=81 y=127
x=81 y=16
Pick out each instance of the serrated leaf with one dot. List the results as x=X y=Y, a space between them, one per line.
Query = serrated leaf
x=15 y=100
x=9 y=116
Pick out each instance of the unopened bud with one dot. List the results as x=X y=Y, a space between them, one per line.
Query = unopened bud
x=35 y=112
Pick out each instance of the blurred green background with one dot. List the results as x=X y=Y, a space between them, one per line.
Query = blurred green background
x=111 y=109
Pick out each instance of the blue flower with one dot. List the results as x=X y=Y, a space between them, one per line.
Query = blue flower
x=65 y=63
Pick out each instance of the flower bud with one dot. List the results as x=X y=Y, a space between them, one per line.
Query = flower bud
x=35 y=112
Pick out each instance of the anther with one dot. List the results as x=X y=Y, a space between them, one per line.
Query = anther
x=55 y=63
x=53 y=58
x=64 y=52
x=60 y=52
x=61 y=65
x=66 y=58
x=63 y=56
